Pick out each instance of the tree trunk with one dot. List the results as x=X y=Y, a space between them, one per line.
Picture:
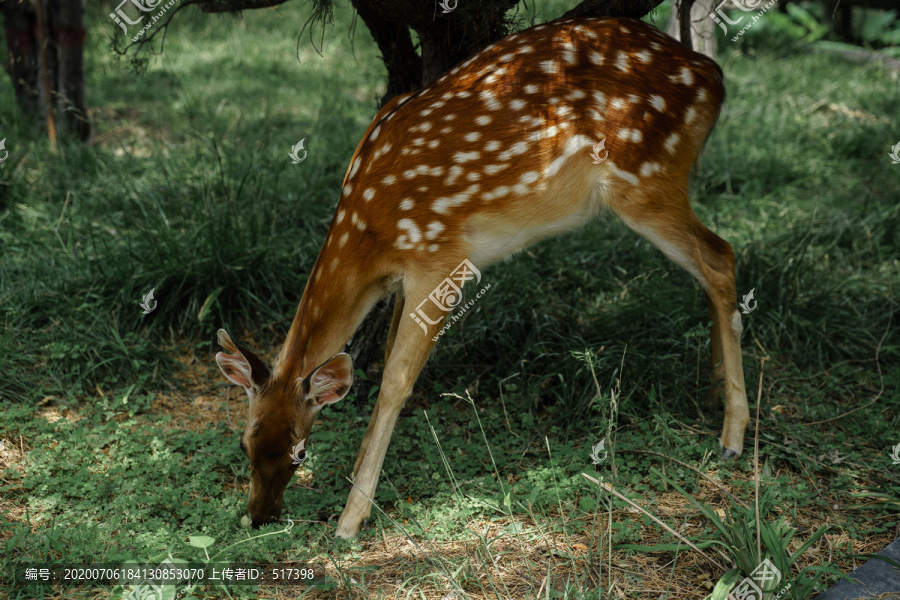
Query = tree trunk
x=703 y=28
x=404 y=66
x=63 y=31
x=68 y=33
x=20 y=22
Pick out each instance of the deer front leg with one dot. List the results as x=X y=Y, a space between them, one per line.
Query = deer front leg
x=392 y=337
x=407 y=356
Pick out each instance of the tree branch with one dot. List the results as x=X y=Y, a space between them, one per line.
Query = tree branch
x=613 y=8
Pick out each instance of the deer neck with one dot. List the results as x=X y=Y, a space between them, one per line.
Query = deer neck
x=337 y=297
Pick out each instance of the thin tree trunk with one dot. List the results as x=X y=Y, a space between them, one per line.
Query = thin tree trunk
x=45 y=81
x=20 y=21
x=703 y=28
x=68 y=33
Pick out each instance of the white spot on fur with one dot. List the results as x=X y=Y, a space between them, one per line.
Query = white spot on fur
x=442 y=205
x=671 y=142
x=622 y=62
x=483 y=120
x=490 y=100
x=494 y=169
x=550 y=66
x=517 y=104
x=411 y=235
x=389 y=180
x=531 y=89
x=454 y=172
x=514 y=150
x=340 y=216
x=658 y=102
x=618 y=103
x=463 y=157
x=649 y=168
x=634 y=135
x=368 y=194
x=344 y=239
x=492 y=146
x=406 y=204
x=595 y=57
x=629 y=177
x=689 y=115
x=434 y=228
x=529 y=177
x=643 y=56
x=472 y=136
x=355 y=166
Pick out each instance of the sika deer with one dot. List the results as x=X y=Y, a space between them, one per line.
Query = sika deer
x=490 y=158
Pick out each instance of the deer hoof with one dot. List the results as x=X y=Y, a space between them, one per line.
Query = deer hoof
x=728 y=453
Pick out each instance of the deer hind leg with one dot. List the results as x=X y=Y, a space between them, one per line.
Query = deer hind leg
x=406 y=357
x=717 y=365
x=392 y=336
x=670 y=224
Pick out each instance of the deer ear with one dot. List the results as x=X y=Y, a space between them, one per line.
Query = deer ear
x=241 y=366
x=330 y=382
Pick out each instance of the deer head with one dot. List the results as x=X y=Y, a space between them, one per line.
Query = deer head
x=279 y=419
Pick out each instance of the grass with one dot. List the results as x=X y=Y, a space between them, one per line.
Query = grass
x=119 y=440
